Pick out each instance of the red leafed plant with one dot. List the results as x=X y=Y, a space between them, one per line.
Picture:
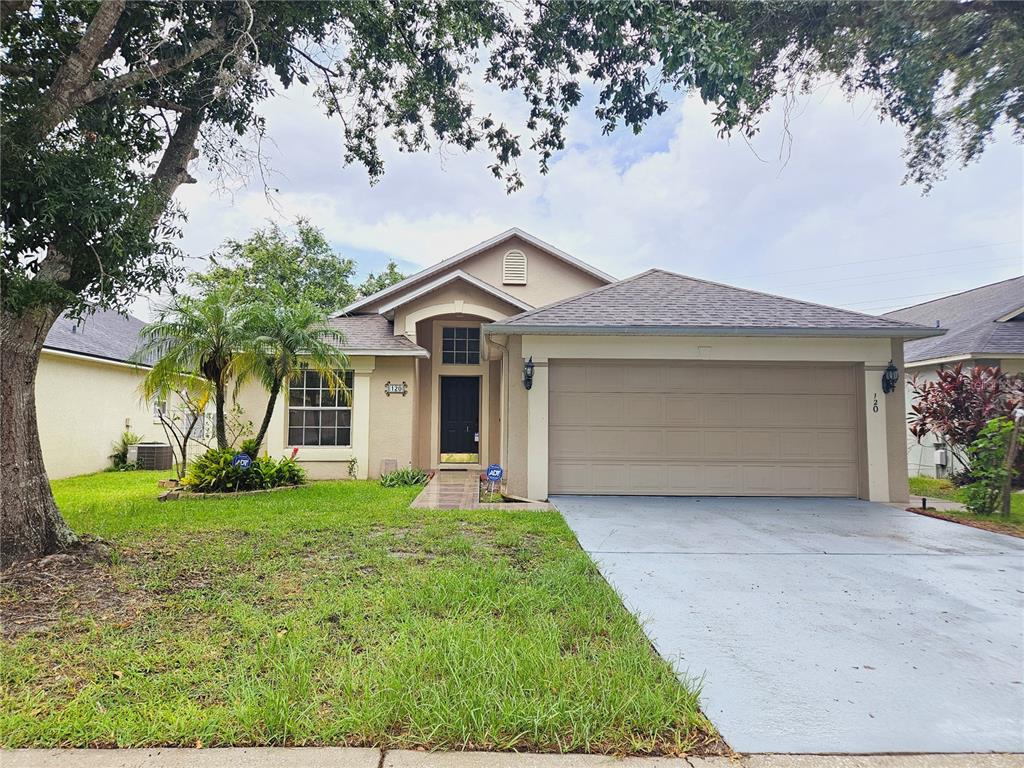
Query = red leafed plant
x=959 y=403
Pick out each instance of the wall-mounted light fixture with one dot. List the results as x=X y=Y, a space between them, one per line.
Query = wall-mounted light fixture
x=889 y=378
x=528 y=373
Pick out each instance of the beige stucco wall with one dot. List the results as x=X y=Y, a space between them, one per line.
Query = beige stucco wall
x=391 y=418
x=456 y=298
x=83 y=406
x=549 y=278
x=883 y=439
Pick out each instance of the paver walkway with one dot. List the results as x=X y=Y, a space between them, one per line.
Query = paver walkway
x=343 y=757
x=460 y=489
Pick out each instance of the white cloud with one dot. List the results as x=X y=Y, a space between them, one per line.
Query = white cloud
x=677 y=197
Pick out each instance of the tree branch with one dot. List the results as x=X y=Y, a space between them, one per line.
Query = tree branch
x=172 y=171
x=60 y=99
x=102 y=88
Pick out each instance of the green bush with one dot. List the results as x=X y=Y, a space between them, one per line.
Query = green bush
x=404 y=476
x=988 y=466
x=119 y=458
x=214 y=472
x=249 y=447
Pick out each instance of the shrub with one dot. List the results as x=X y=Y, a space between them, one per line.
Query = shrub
x=250 y=447
x=119 y=458
x=960 y=402
x=403 y=477
x=214 y=472
x=988 y=466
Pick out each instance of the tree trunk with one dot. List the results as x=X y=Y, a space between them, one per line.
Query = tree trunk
x=274 y=392
x=30 y=525
x=218 y=401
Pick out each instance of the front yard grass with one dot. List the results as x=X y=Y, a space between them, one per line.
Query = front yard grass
x=934 y=488
x=334 y=615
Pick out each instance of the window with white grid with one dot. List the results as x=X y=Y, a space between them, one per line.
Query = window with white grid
x=317 y=416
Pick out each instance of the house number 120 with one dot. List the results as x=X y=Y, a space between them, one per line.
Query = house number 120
x=875 y=406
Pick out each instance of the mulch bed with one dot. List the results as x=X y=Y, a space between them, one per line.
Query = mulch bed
x=985 y=525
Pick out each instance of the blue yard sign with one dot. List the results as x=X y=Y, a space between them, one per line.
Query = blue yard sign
x=242 y=461
x=495 y=473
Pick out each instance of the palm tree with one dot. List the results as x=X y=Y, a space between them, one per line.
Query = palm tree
x=206 y=336
x=286 y=338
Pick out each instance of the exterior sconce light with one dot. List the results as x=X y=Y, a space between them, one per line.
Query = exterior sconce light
x=528 y=373
x=889 y=378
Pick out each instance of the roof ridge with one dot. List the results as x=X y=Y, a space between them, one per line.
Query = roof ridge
x=953 y=295
x=784 y=298
x=576 y=296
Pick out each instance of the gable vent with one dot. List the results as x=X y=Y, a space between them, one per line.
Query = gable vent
x=513 y=268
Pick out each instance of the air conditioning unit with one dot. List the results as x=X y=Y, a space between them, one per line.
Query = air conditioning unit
x=150 y=455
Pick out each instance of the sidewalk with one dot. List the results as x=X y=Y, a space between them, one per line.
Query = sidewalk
x=341 y=757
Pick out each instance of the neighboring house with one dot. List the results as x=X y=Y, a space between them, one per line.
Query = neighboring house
x=514 y=352
x=87 y=392
x=984 y=326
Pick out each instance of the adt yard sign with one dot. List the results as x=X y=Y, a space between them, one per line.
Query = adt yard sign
x=495 y=473
x=242 y=461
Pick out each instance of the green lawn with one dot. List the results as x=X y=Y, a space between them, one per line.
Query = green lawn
x=333 y=614
x=932 y=488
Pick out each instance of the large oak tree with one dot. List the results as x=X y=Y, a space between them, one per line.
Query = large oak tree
x=106 y=103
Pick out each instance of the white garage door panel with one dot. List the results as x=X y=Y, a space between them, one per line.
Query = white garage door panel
x=702 y=428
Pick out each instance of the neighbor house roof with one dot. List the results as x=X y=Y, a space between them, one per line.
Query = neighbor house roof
x=469 y=253
x=374 y=335
x=982 y=322
x=104 y=335
x=657 y=302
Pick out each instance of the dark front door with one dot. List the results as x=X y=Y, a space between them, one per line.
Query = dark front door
x=460 y=413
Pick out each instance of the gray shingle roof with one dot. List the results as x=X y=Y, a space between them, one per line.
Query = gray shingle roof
x=660 y=302
x=373 y=334
x=971 y=320
x=103 y=334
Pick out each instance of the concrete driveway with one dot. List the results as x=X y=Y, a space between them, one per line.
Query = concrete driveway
x=824 y=625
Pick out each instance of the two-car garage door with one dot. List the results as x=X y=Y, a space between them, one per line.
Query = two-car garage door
x=702 y=428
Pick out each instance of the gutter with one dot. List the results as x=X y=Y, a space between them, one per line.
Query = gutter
x=95 y=358
x=911 y=332
x=419 y=352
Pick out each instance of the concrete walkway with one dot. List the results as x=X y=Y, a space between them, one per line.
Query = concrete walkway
x=460 y=489
x=341 y=757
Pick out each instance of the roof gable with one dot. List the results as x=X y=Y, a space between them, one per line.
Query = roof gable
x=413 y=281
x=661 y=302
x=458 y=274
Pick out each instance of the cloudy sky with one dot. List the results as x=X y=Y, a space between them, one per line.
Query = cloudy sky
x=823 y=217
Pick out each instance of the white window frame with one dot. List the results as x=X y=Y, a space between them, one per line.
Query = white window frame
x=158 y=406
x=349 y=378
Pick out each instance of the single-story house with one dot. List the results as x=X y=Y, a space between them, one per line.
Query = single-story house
x=87 y=392
x=984 y=326
x=514 y=352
